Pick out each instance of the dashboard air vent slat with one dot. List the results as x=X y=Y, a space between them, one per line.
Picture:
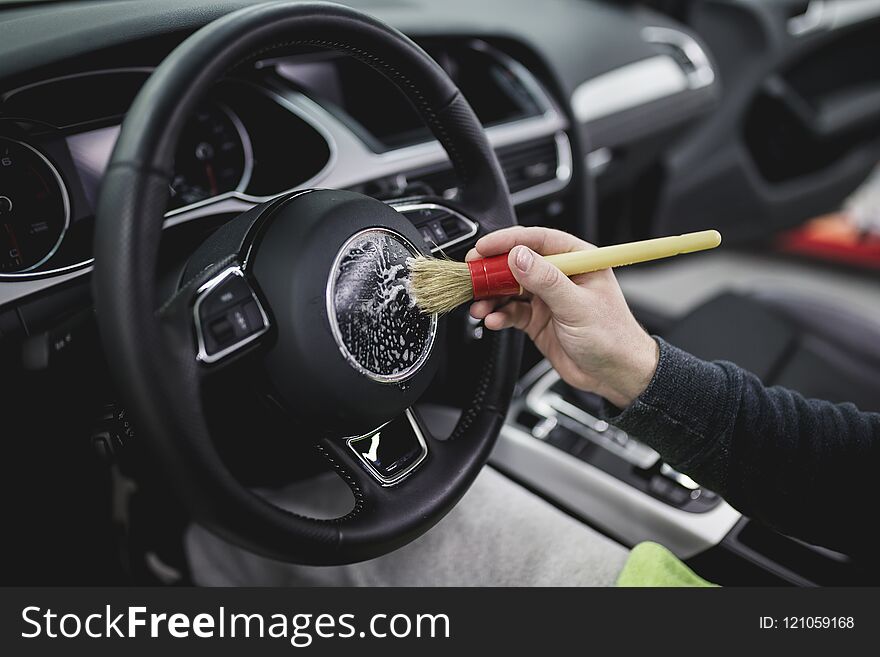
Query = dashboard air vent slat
x=530 y=164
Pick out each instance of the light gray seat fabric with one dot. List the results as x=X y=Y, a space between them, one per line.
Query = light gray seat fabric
x=500 y=534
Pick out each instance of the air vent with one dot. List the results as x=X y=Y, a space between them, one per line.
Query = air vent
x=530 y=164
x=526 y=166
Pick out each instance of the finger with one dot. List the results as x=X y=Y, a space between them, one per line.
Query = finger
x=497 y=321
x=516 y=314
x=545 y=241
x=546 y=282
x=479 y=309
x=472 y=254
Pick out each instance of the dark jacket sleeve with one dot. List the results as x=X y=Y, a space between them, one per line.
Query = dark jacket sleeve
x=806 y=467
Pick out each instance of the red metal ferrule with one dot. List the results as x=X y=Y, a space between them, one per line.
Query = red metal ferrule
x=491 y=277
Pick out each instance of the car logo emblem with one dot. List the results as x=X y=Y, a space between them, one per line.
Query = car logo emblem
x=372 y=455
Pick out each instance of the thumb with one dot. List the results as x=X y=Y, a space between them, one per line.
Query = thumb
x=545 y=281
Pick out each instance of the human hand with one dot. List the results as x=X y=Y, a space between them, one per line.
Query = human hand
x=582 y=325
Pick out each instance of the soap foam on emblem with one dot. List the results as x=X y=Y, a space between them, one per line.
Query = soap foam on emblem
x=382 y=330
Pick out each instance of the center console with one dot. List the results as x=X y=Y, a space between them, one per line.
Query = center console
x=556 y=442
x=568 y=419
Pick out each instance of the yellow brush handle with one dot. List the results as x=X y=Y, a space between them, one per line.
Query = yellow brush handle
x=618 y=255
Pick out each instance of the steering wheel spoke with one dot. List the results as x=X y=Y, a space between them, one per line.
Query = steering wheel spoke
x=228 y=317
x=221 y=314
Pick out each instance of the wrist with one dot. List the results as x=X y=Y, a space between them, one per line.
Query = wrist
x=632 y=370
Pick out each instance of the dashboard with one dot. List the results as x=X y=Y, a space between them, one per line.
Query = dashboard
x=318 y=119
x=306 y=120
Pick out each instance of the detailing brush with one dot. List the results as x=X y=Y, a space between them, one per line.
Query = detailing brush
x=439 y=285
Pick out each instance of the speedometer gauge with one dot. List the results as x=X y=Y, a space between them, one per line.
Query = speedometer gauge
x=213 y=157
x=34 y=208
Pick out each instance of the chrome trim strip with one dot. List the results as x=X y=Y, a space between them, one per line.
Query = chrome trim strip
x=831 y=15
x=203 y=292
x=703 y=74
x=850 y=12
x=246 y=146
x=400 y=476
x=473 y=227
x=15 y=289
x=810 y=21
x=627 y=87
x=564 y=171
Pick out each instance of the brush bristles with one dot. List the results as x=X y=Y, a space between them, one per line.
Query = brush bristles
x=439 y=286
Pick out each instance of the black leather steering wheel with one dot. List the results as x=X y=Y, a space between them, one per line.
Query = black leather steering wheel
x=311 y=286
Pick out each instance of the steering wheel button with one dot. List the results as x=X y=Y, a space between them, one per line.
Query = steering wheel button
x=438 y=232
x=227 y=316
x=452 y=226
x=253 y=316
x=222 y=331
x=239 y=322
x=229 y=293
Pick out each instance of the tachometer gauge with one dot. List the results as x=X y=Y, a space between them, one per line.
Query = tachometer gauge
x=213 y=157
x=34 y=208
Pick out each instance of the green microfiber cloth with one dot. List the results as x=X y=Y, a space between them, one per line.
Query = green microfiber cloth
x=651 y=564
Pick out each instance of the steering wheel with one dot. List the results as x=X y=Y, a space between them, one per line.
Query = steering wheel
x=311 y=286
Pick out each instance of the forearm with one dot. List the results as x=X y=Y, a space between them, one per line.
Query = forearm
x=685 y=413
x=791 y=462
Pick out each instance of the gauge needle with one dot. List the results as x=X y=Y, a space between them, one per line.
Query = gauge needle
x=13 y=241
x=212 y=180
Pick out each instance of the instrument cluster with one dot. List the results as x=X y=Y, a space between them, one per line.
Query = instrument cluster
x=57 y=139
